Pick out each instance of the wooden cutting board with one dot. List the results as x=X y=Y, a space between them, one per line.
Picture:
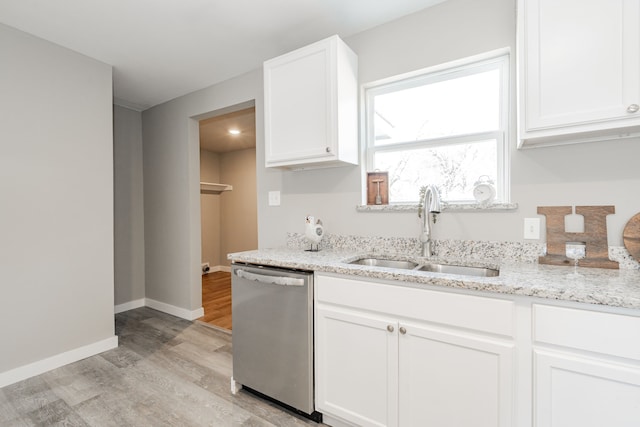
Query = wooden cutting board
x=631 y=236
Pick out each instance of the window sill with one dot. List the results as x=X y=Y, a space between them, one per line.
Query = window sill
x=446 y=207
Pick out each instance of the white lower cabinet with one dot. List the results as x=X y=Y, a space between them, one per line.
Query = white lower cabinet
x=357 y=367
x=389 y=355
x=378 y=368
x=586 y=367
x=447 y=378
x=572 y=390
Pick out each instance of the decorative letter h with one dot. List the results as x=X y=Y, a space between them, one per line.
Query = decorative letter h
x=594 y=236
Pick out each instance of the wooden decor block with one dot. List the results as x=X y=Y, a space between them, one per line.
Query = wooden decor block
x=377 y=184
x=594 y=236
x=631 y=236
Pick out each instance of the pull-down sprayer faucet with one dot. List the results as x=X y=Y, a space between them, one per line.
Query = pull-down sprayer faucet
x=430 y=205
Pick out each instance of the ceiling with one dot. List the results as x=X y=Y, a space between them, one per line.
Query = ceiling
x=162 y=49
x=215 y=136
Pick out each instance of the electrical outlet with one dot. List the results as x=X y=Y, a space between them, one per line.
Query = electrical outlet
x=205 y=267
x=274 y=198
x=532 y=228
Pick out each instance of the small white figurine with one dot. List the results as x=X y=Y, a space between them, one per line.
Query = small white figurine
x=313 y=232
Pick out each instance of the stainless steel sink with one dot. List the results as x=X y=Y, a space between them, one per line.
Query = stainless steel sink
x=389 y=263
x=459 y=269
x=434 y=267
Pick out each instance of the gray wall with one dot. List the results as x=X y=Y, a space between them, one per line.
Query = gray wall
x=56 y=214
x=229 y=220
x=172 y=190
x=587 y=174
x=451 y=30
x=239 y=207
x=128 y=205
x=210 y=209
x=596 y=173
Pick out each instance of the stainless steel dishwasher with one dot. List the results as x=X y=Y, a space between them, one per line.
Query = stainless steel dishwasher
x=273 y=335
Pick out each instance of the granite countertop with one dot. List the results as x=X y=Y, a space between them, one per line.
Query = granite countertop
x=617 y=288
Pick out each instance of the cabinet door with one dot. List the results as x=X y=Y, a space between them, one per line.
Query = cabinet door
x=572 y=390
x=581 y=61
x=356 y=366
x=298 y=104
x=451 y=379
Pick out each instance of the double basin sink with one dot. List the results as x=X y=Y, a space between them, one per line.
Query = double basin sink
x=427 y=266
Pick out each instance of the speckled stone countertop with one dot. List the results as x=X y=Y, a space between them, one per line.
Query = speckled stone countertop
x=618 y=288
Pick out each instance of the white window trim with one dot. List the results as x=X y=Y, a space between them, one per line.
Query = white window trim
x=442 y=72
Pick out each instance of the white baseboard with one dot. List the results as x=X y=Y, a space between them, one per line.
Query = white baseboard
x=173 y=310
x=224 y=268
x=129 y=305
x=53 y=362
x=335 y=422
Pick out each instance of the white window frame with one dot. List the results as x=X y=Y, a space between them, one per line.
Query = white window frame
x=498 y=59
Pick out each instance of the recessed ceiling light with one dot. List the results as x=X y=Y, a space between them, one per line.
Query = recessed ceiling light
x=234 y=131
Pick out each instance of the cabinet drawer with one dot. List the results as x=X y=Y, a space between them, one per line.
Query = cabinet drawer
x=492 y=315
x=606 y=333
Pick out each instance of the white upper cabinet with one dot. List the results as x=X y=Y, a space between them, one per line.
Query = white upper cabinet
x=311 y=110
x=579 y=70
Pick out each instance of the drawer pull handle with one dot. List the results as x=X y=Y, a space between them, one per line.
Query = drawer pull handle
x=390 y=328
x=402 y=330
x=633 y=108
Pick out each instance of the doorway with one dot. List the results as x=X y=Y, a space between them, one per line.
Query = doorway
x=228 y=203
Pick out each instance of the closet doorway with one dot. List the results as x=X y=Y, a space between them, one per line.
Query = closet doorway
x=228 y=203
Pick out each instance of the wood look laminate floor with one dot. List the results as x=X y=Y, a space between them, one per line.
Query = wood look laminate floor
x=216 y=299
x=165 y=372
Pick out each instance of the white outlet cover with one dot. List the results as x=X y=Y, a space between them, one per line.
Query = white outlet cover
x=274 y=198
x=532 y=228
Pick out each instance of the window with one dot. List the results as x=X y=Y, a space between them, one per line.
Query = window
x=445 y=127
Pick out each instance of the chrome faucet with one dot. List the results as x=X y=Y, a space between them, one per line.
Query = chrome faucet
x=430 y=206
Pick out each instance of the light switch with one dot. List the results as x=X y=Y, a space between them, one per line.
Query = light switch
x=274 y=198
x=532 y=228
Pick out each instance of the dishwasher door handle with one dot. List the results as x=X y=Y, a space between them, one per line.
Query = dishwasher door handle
x=270 y=280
